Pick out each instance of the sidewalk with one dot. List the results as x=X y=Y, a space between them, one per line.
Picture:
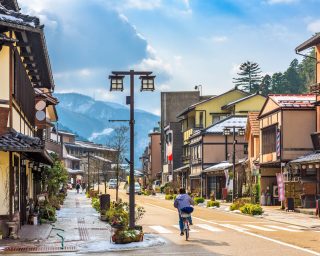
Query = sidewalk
x=274 y=213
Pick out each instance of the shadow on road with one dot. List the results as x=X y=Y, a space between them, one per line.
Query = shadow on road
x=207 y=242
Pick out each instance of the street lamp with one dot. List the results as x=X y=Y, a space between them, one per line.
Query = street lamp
x=227 y=132
x=116 y=84
x=197 y=87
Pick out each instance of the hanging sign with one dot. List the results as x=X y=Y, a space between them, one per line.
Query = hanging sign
x=280 y=182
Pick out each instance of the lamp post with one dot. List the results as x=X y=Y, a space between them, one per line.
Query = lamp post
x=227 y=132
x=116 y=84
x=197 y=87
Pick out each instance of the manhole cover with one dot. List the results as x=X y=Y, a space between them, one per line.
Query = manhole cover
x=41 y=249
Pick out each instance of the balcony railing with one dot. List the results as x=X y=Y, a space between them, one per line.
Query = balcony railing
x=315 y=88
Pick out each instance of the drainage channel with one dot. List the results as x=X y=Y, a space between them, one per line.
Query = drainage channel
x=83 y=231
x=40 y=249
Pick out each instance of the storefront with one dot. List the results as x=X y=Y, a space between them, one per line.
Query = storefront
x=303 y=180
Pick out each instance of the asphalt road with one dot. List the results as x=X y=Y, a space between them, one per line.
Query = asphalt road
x=216 y=232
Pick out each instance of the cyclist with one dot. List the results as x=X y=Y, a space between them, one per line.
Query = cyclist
x=183 y=203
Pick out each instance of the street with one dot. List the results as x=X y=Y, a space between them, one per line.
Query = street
x=216 y=232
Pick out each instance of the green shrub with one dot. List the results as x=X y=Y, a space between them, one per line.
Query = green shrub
x=251 y=209
x=213 y=203
x=238 y=203
x=174 y=197
x=198 y=200
x=169 y=197
x=95 y=202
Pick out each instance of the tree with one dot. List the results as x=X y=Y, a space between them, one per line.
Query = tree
x=279 y=83
x=119 y=142
x=55 y=176
x=265 y=86
x=294 y=78
x=249 y=77
x=307 y=69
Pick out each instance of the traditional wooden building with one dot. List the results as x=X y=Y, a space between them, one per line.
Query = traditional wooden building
x=286 y=122
x=27 y=109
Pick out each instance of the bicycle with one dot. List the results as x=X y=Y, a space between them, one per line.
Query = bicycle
x=185 y=218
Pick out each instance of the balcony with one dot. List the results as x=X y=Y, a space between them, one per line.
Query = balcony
x=186 y=135
x=315 y=88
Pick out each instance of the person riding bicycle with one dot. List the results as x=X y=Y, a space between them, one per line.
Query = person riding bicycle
x=183 y=203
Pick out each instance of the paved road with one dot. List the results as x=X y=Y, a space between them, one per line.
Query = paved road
x=217 y=232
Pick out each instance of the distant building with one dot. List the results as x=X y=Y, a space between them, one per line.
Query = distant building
x=173 y=103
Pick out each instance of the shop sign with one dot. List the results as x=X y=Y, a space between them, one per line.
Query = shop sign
x=280 y=182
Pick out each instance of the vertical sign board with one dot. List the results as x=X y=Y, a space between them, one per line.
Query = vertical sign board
x=278 y=148
x=280 y=182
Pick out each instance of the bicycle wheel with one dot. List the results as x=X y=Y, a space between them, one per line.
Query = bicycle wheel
x=186 y=230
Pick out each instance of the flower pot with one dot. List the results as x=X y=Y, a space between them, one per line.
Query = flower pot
x=103 y=217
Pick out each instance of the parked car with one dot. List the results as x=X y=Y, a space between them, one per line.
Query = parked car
x=112 y=184
x=137 y=188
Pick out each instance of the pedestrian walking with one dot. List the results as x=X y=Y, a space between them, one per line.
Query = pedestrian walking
x=78 y=188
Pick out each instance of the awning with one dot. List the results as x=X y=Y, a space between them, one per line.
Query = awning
x=31 y=147
x=40 y=157
x=310 y=158
x=223 y=166
x=75 y=171
x=218 y=167
x=194 y=176
x=70 y=157
x=182 y=168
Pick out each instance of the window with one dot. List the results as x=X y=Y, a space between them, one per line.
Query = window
x=245 y=149
x=201 y=120
x=269 y=139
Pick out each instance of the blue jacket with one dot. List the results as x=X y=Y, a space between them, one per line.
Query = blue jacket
x=182 y=201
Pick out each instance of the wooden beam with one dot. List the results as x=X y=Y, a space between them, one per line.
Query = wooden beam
x=26 y=55
x=23 y=44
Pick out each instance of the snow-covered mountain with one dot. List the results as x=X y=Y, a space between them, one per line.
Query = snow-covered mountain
x=89 y=119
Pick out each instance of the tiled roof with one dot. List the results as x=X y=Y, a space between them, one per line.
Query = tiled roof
x=254 y=123
x=14 y=141
x=239 y=121
x=294 y=100
x=88 y=145
x=313 y=157
x=18 y=18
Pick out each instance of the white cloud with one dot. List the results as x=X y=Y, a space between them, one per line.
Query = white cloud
x=80 y=73
x=314 y=26
x=234 y=69
x=154 y=63
x=219 y=39
x=215 y=39
x=106 y=131
x=281 y=1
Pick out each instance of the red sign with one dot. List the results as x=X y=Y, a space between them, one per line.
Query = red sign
x=280 y=182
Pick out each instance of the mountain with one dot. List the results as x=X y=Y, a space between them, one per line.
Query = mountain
x=89 y=119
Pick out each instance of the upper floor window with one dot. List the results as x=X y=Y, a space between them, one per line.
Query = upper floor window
x=269 y=139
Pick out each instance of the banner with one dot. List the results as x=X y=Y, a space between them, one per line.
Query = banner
x=280 y=182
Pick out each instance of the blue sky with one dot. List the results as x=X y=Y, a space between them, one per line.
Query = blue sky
x=185 y=42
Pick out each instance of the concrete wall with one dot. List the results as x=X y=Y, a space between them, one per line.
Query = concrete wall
x=172 y=103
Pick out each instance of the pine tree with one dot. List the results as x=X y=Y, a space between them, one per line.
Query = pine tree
x=265 y=86
x=249 y=77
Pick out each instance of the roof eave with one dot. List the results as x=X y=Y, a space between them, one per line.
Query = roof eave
x=313 y=41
